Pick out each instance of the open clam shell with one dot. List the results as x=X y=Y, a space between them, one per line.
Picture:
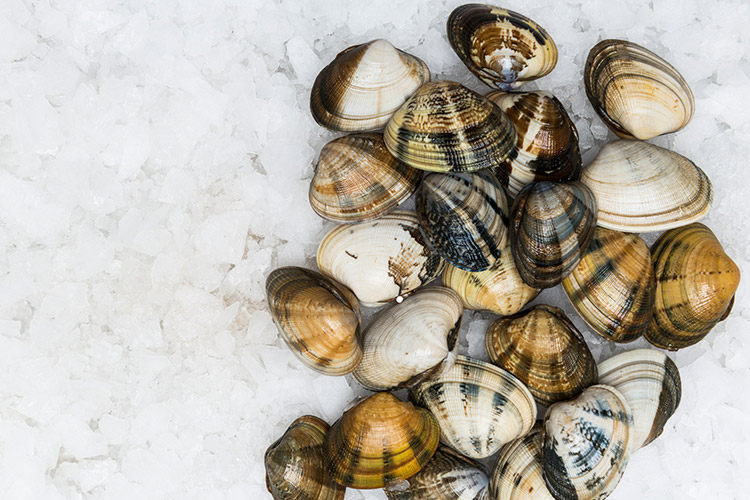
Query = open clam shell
x=640 y=187
x=695 y=286
x=317 y=317
x=357 y=180
x=380 y=440
x=613 y=286
x=501 y=47
x=518 y=472
x=380 y=261
x=445 y=127
x=636 y=93
x=364 y=85
x=406 y=342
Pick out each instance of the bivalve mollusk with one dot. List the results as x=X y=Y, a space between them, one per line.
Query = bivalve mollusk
x=518 y=472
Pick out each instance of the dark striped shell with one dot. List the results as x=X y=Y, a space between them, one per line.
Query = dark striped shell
x=445 y=127
x=465 y=217
x=551 y=227
x=518 y=472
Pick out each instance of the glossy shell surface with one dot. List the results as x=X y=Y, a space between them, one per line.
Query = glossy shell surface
x=518 y=471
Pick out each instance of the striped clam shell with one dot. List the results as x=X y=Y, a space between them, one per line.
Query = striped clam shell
x=695 y=286
x=636 y=93
x=380 y=440
x=501 y=47
x=586 y=444
x=547 y=148
x=382 y=260
x=445 y=127
x=317 y=317
x=545 y=351
x=294 y=463
x=364 y=85
x=613 y=286
x=447 y=476
x=518 y=472
x=406 y=342
x=479 y=406
x=650 y=382
x=465 y=217
x=640 y=187
x=551 y=227
x=357 y=180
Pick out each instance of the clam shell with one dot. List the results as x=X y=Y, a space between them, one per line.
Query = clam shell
x=695 y=286
x=479 y=406
x=545 y=351
x=586 y=444
x=640 y=187
x=445 y=127
x=552 y=225
x=613 y=286
x=382 y=260
x=364 y=85
x=318 y=318
x=636 y=93
x=547 y=147
x=518 y=472
x=650 y=383
x=501 y=47
x=294 y=463
x=357 y=180
x=406 y=340
x=465 y=217
x=380 y=440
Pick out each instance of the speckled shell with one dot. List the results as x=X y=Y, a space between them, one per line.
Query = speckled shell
x=406 y=342
x=294 y=463
x=503 y=48
x=613 y=286
x=695 y=286
x=380 y=440
x=357 y=180
x=447 y=476
x=445 y=127
x=636 y=93
x=551 y=227
x=364 y=85
x=465 y=217
x=586 y=444
x=650 y=383
x=640 y=187
x=545 y=351
x=382 y=260
x=479 y=406
x=518 y=472
x=547 y=147
x=318 y=318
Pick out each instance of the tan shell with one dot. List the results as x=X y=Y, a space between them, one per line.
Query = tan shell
x=518 y=472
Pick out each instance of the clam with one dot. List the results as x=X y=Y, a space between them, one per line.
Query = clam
x=501 y=47
x=445 y=127
x=586 y=444
x=518 y=472
x=640 y=187
x=650 y=383
x=552 y=225
x=317 y=317
x=380 y=440
x=636 y=93
x=695 y=286
x=479 y=406
x=465 y=217
x=406 y=342
x=294 y=463
x=364 y=85
x=357 y=180
x=447 y=476
x=382 y=260
x=612 y=287
x=545 y=351
x=547 y=147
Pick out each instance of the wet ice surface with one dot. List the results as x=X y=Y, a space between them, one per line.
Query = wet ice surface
x=155 y=164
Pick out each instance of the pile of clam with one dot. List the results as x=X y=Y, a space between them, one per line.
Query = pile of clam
x=504 y=210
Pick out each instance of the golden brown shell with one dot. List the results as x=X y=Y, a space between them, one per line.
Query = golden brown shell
x=518 y=472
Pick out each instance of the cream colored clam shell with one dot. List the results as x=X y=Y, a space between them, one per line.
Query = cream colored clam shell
x=518 y=472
